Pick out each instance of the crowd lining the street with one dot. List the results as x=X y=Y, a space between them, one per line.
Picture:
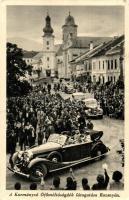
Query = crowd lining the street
x=102 y=183
x=33 y=118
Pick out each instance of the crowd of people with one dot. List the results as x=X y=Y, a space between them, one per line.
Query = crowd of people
x=33 y=118
x=102 y=183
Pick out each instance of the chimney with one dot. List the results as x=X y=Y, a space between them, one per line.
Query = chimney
x=91 y=45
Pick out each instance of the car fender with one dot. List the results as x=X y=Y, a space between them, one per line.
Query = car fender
x=54 y=153
x=14 y=157
x=97 y=145
x=36 y=161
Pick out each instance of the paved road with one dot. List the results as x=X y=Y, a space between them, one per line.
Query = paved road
x=113 y=132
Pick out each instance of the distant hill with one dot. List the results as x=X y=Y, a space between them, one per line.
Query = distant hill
x=26 y=44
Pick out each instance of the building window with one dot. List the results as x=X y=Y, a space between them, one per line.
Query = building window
x=75 y=55
x=108 y=64
x=103 y=64
x=48 y=66
x=108 y=79
x=47 y=47
x=114 y=79
x=99 y=64
x=111 y=64
x=111 y=79
x=103 y=80
x=99 y=79
x=115 y=64
x=47 y=58
x=89 y=66
x=47 y=42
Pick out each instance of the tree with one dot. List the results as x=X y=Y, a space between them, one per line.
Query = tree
x=16 y=71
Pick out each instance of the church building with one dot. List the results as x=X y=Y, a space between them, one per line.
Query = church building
x=55 y=60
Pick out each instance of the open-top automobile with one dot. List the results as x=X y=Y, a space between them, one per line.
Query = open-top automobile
x=61 y=151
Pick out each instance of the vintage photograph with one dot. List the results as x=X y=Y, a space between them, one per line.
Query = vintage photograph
x=65 y=97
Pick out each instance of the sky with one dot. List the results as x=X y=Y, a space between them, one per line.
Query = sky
x=27 y=22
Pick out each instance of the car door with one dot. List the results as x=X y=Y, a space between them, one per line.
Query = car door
x=71 y=152
x=85 y=149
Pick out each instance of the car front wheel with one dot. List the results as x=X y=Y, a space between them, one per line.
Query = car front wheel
x=36 y=171
x=55 y=158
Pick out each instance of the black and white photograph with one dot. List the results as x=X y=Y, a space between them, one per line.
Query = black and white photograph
x=65 y=97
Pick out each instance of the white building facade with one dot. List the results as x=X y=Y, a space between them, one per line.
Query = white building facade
x=48 y=59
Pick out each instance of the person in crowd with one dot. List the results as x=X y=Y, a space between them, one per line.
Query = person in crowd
x=40 y=135
x=71 y=183
x=33 y=186
x=31 y=136
x=12 y=142
x=81 y=122
x=85 y=185
x=12 y=146
x=22 y=137
x=90 y=124
x=27 y=133
x=17 y=186
x=49 y=88
x=33 y=121
x=56 y=184
x=102 y=182
x=116 y=184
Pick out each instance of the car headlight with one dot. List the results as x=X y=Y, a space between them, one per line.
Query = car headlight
x=28 y=155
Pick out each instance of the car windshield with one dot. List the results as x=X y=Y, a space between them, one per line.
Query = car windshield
x=60 y=139
x=78 y=96
x=91 y=102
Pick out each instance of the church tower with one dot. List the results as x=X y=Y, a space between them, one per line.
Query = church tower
x=69 y=28
x=48 y=49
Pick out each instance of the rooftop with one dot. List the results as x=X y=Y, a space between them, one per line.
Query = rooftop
x=84 y=42
x=29 y=54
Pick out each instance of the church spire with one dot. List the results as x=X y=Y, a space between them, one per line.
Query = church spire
x=48 y=30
